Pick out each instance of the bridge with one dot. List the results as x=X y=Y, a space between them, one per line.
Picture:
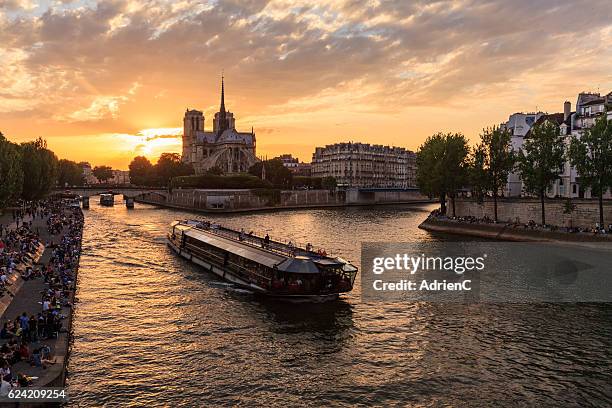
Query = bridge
x=129 y=193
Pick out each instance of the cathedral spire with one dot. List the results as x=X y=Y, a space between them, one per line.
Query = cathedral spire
x=222 y=108
x=222 y=121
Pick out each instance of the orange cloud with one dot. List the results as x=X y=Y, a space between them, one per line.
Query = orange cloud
x=90 y=76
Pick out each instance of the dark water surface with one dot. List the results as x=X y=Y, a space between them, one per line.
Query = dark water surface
x=153 y=330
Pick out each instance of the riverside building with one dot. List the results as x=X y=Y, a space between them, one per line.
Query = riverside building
x=589 y=107
x=365 y=165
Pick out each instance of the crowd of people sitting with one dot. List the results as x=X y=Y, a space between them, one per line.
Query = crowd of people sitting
x=530 y=225
x=25 y=338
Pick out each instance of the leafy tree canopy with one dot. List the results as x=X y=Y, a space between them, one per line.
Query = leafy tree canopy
x=103 y=173
x=279 y=175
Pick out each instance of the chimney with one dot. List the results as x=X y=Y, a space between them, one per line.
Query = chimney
x=567 y=109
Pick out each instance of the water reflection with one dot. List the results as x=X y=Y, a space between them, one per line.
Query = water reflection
x=152 y=329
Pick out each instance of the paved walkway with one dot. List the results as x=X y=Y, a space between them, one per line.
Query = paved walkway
x=27 y=298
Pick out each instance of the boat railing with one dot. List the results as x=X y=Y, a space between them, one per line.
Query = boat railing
x=275 y=246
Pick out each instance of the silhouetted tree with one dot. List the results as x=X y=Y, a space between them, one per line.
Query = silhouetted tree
x=103 y=173
x=39 y=166
x=477 y=173
x=442 y=166
x=329 y=182
x=215 y=171
x=170 y=165
x=541 y=160
x=591 y=154
x=275 y=172
x=499 y=160
x=69 y=173
x=142 y=172
x=11 y=172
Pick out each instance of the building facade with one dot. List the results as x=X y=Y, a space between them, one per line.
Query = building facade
x=295 y=166
x=589 y=107
x=365 y=165
x=88 y=175
x=518 y=124
x=223 y=147
x=120 y=177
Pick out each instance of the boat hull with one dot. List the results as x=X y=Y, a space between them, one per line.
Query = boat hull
x=232 y=278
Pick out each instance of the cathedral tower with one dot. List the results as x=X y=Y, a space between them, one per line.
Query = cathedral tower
x=192 y=122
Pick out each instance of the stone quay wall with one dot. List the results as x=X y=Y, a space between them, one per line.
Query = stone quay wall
x=585 y=213
x=253 y=200
x=244 y=200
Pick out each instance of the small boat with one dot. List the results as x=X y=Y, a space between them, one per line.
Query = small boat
x=107 y=200
x=74 y=202
x=261 y=265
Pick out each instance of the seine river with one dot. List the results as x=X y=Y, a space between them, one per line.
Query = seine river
x=150 y=329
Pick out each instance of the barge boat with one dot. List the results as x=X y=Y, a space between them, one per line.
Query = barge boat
x=261 y=265
x=107 y=200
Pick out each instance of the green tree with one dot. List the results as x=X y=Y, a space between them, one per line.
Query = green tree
x=39 y=166
x=142 y=172
x=540 y=161
x=69 y=173
x=11 y=172
x=477 y=173
x=170 y=165
x=103 y=173
x=279 y=175
x=591 y=155
x=329 y=183
x=499 y=160
x=442 y=163
x=215 y=171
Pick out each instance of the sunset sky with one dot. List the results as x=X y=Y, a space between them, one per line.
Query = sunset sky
x=106 y=81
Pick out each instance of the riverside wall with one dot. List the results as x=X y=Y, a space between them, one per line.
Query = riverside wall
x=253 y=200
x=503 y=232
x=585 y=214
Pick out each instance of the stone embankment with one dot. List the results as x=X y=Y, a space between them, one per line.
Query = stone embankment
x=509 y=232
x=252 y=200
x=580 y=213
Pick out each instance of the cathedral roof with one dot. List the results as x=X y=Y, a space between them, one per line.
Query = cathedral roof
x=232 y=136
x=228 y=136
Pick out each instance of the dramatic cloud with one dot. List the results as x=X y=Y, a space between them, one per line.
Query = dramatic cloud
x=323 y=71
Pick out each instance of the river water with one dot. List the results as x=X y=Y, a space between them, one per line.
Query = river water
x=151 y=329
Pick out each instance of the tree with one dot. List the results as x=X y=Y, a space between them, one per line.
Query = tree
x=477 y=173
x=69 y=173
x=103 y=173
x=141 y=171
x=541 y=160
x=170 y=165
x=11 y=172
x=499 y=159
x=39 y=166
x=591 y=155
x=215 y=171
x=329 y=183
x=275 y=172
x=442 y=166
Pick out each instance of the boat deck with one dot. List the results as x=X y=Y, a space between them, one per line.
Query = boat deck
x=259 y=242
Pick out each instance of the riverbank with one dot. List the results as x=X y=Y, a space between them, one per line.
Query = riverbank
x=509 y=232
x=48 y=297
x=575 y=213
x=245 y=200
x=270 y=208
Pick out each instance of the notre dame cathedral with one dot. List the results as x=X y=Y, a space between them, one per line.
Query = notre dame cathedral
x=224 y=147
